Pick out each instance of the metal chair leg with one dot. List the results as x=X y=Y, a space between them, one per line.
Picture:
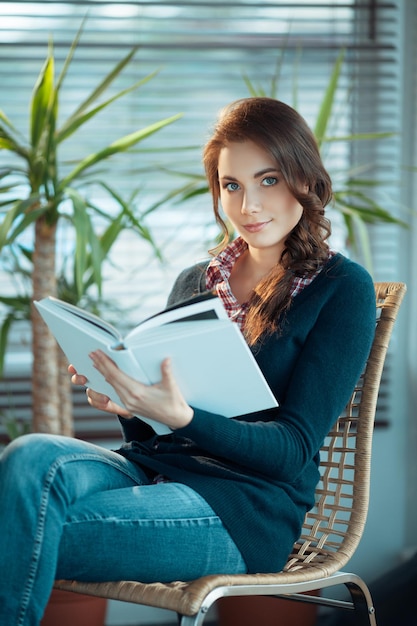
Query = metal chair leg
x=362 y=600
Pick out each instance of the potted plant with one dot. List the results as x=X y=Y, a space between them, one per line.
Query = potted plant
x=33 y=191
x=35 y=188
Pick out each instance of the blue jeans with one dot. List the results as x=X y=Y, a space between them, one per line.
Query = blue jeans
x=69 y=509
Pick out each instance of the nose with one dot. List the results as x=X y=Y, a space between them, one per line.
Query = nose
x=251 y=203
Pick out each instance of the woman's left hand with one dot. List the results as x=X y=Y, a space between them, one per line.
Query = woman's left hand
x=162 y=401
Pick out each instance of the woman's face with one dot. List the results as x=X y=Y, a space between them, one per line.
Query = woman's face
x=255 y=198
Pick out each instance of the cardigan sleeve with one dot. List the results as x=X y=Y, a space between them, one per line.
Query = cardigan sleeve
x=191 y=282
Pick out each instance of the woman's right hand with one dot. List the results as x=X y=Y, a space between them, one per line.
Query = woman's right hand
x=77 y=379
x=97 y=400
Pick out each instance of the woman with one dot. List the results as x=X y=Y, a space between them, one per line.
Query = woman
x=218 y=495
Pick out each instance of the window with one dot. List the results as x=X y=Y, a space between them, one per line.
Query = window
x=204 y=50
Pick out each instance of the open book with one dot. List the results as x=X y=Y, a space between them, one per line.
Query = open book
x=211 y=361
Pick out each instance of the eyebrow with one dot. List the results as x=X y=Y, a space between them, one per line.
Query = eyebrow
x=267 y=170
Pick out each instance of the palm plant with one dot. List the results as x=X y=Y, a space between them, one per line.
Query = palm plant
x=35 y=192
x=351 y=193
x=351 y=197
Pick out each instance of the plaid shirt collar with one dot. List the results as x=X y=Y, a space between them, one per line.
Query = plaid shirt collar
x=218 y=273
x=217 y=277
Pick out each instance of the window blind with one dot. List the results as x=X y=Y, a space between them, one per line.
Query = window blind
x=203 y=51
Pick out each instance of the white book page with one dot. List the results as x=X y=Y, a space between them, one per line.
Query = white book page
x=73 y=314
x=211 y=306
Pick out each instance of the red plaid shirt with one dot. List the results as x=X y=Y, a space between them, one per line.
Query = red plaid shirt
x=219 y=270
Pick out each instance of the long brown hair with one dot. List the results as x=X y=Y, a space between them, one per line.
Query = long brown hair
x=285 y=135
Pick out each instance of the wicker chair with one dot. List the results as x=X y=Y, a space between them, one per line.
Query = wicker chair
x=332 y=530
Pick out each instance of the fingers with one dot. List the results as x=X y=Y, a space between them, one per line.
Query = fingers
x=184 y=413
x=118 y=379
x=77 y=379
x=166 y=371
x=103 y=403
x=103 y=363
x=95 y=399
x=168 y=379
x=156 y=401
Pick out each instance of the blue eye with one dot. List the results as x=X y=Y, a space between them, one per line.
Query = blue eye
x=270 y=180
x=231 y=186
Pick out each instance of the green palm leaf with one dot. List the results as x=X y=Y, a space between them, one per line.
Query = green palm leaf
x=22 y=213
x=8 y=142
x=6 y=120
x=325 y=111
x=77 y=120
x=85 y=239
x=97 y=92
x=120 y=145
x=42 y=97
x=128 y=219
x=70 y=55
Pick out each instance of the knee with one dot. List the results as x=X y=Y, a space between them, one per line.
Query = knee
x=29 y=450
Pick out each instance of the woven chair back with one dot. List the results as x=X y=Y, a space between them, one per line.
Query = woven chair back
x=333 y=528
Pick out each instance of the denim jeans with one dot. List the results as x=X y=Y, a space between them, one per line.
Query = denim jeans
x=69 y=509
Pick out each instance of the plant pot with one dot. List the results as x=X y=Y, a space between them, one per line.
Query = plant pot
x=74 y=609
x=268 y=611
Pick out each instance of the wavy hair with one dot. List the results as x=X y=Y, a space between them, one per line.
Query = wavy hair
x=285 y=135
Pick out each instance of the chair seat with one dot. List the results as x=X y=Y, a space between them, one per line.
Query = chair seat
x=198 y=595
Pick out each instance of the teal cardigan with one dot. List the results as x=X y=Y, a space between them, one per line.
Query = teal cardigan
x=259 y=471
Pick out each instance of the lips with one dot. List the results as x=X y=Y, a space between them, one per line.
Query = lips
x=255 y=228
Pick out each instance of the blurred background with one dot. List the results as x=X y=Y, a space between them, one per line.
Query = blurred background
x=348 y=67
